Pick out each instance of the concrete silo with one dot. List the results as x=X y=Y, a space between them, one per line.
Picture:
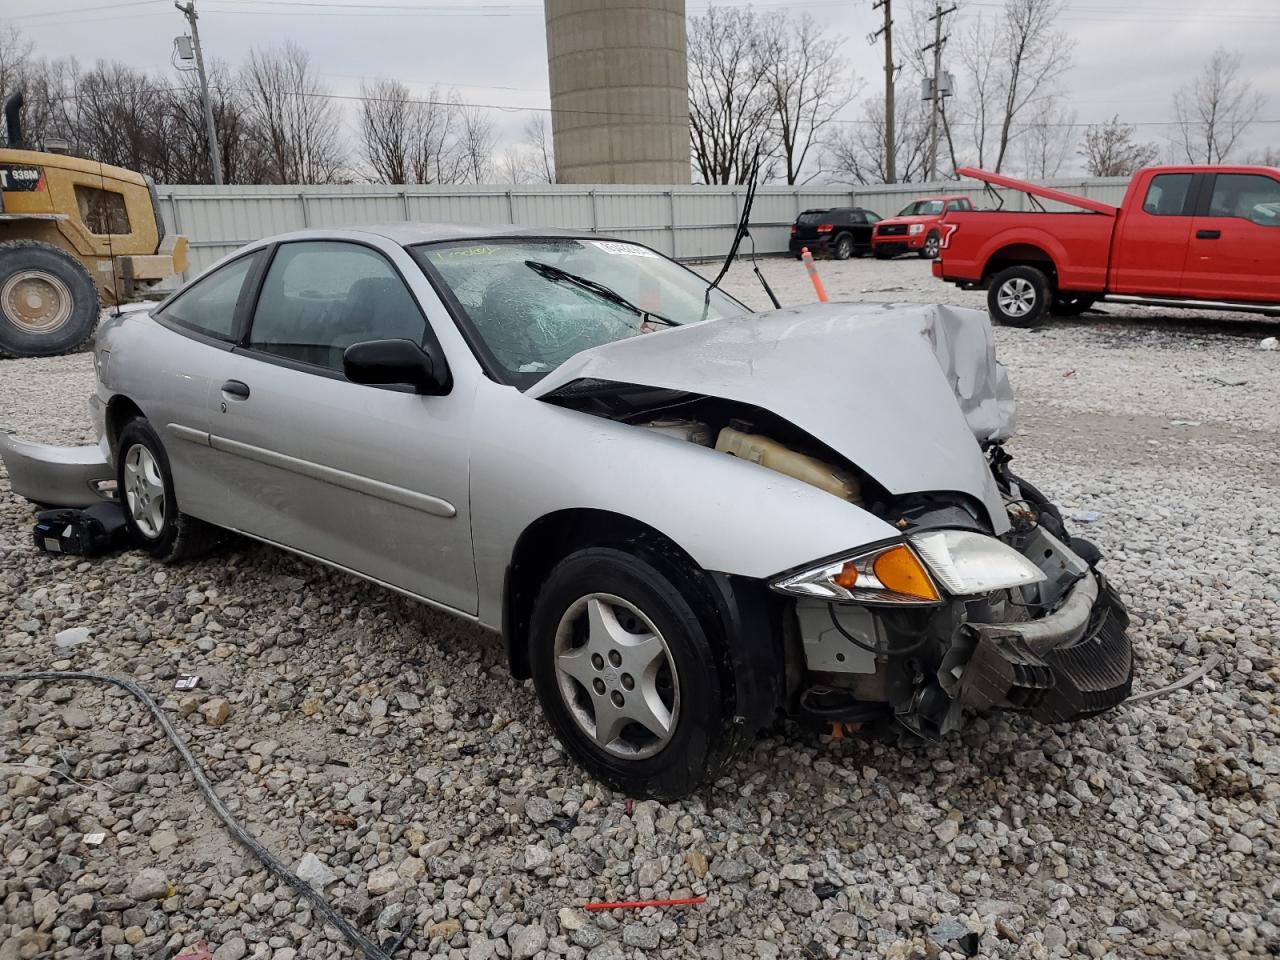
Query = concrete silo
x=619 y=90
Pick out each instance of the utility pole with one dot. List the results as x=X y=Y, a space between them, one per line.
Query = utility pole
x=890 y=176
x=188 y=10
x=935 y=91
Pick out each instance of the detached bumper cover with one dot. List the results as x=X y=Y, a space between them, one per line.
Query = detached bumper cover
x=1075 y=663
x=54 y=475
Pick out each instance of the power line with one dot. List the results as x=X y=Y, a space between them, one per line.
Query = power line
x=516 y=108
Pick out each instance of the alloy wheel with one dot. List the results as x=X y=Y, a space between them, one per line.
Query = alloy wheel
x=931 y=246
x=616 y=676
x=1016 y=296
x=144 y=490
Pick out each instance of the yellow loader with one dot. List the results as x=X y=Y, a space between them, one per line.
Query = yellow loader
x=75 y=235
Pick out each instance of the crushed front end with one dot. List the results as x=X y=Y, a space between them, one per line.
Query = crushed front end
x=957 y=622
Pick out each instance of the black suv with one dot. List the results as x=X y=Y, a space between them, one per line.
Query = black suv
x=840 y=231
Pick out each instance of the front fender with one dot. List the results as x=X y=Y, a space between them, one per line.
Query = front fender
x=532 y=459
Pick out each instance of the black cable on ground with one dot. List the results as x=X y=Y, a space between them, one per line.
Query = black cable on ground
x=371 y=949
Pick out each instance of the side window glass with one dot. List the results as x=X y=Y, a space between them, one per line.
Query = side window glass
x=1249 y=196
x=320 y=297
x=208 y=306
x=960 y=205
x=1167 y=195
x=102 y=211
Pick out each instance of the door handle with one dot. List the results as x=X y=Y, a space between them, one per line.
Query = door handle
x=236 y=390
x=1208 y=234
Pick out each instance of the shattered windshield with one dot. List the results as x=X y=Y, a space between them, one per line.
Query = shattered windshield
x=534 y=303
x=922 y=208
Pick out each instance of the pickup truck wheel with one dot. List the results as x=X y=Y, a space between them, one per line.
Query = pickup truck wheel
x=843 y=248
x=627 y=674
x=1070 y=305
x=1018 y=296
x=932 y=246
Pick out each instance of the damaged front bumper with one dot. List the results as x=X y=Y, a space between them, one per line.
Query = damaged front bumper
x=56 y=476
x=1074 y=663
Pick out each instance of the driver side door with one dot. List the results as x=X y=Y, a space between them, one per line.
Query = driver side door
x=369 y=478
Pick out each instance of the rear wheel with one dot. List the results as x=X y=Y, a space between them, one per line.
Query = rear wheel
x=151 y=513
x=843 y=249
x=1018 y=296
x=932 y=245
x=627 y=673
x=48 y=300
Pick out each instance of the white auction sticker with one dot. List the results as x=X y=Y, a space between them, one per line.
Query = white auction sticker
x=623 y=249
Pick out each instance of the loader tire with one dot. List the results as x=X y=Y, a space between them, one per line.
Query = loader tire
x=48 y=300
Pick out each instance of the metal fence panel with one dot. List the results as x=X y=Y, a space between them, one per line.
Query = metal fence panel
x=687 y=222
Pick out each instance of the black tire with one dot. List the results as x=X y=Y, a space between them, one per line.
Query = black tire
x=932 y=246
x=1019 y=296
x=175 y=536
x=48 y=300
x=843 y=248
x=699 y=740
x=1070 y=305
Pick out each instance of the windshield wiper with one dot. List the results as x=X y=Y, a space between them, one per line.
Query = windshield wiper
x=599 y=289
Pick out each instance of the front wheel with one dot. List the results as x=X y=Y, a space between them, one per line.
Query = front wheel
x=145 y=486
x=1019 y=296
x=627 y=674
x=932 y=246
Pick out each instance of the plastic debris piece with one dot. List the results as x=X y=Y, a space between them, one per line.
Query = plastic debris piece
x=72 y=636
x=1069 y=373
x=186 y=681
x=94 y=839
x=1227 y=383
x=197 y=951
x=641 y=904
x=1270 y=343
x=1086 y=516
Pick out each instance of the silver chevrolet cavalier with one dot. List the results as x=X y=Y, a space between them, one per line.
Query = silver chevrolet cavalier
x=685 y=519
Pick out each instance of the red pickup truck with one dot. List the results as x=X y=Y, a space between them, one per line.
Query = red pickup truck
x=1202 y=237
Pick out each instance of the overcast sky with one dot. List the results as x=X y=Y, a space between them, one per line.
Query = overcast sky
x=1129 y=55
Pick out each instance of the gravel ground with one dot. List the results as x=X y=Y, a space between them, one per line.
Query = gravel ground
x=383 y=750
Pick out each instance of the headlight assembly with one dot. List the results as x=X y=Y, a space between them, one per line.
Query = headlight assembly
x=916 y=229
x=891 y=575
x=969 y=563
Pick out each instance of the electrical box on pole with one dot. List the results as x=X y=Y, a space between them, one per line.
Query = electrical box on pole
x=188 y=10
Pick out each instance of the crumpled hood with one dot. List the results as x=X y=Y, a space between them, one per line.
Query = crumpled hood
x=905 y=391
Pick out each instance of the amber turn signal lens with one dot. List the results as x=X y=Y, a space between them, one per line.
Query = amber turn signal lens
x=899 y=570
x=847 y=577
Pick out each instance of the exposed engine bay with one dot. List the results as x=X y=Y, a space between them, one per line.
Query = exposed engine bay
x=1054 y=647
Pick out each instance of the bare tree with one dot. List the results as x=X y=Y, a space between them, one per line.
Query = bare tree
x=387 y=133
x=1266 y=157
x=240 y=147
x=809 y=82
x=289 y=106
x=475 y=142
x=1009 y=69
x=514 y=166
x=15 y=58
x=1215 y=109
x=123 y=119
x=437 y=155
x=1045 y=142
x=537 y=138
x=856 y=153
x=730 y=103
x=1109 y=149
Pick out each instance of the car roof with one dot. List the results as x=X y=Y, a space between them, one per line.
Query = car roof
x=407 y=233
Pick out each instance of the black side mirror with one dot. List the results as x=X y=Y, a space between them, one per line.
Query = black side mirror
x=396 y=362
